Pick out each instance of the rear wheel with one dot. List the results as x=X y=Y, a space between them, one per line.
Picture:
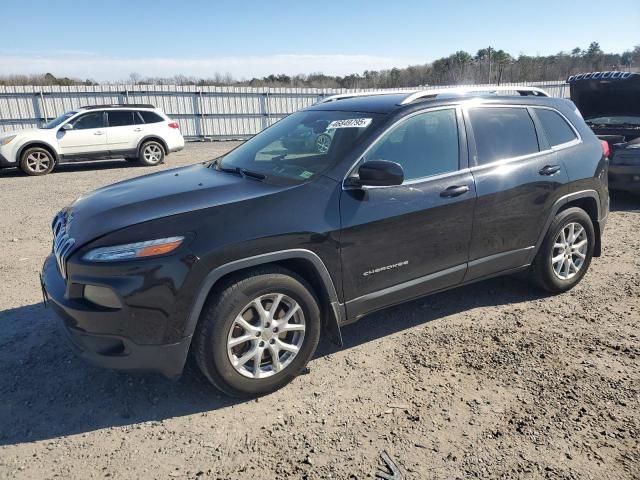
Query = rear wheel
x=151 y=153
x=37 y=161
x=257 y=332
x=566 y=252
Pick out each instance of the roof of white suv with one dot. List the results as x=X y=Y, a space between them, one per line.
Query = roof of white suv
x=118 y=105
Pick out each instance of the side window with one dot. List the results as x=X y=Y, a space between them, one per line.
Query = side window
x=502 y=133
x=150 y=117
x=120 y=118
x=425 y=144
x=555 y=127
x=89 y=120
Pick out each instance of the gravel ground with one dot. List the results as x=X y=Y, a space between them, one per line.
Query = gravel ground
x=495 y=380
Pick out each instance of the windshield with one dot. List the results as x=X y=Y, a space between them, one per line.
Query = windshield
x=57 y=121
x=301 y=145
x=615 y=120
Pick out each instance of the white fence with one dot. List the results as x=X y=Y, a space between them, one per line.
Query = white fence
x=202 y=112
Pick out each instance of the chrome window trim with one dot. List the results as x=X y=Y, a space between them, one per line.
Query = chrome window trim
x=508 y=160
x=455 y=108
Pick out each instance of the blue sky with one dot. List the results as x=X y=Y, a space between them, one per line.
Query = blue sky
x=108 y=39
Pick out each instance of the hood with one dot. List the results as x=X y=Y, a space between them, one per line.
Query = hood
x=157 y=195
x=18 y=132
x=606 y=93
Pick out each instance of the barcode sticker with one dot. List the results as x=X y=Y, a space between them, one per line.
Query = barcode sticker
x=350 y=123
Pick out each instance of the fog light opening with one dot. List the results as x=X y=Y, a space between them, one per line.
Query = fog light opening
x=101 y=296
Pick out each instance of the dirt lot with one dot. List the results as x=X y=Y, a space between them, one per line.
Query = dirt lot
x=495 y=380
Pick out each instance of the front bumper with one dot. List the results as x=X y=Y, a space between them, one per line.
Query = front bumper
x=102 y=349
x=624 y=177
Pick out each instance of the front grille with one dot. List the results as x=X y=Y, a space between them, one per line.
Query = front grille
x=62 y=242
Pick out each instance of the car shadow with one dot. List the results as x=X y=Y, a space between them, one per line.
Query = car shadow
x=72 y=167
x=46 y=392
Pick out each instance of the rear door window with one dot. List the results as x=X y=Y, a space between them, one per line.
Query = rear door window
x=120 y=118
x=502 y=132
x=150 y=117
x=555 y=127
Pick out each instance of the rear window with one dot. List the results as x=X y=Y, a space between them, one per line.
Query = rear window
x=502 y=133
x=555 y=127
x=150 y=117
x=120 y=118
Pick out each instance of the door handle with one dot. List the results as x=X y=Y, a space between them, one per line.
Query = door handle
x=549 y=169
x=98 y=133
x=137 y=129
x=454 y=191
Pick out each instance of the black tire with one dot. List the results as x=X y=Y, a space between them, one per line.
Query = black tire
x=542 y=272
x=37 y=161
x=151 y=153
x=219 y=318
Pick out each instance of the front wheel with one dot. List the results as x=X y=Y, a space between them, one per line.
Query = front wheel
x=37 y=161
x=566 y=252
x=257 y=332
x=151 y=154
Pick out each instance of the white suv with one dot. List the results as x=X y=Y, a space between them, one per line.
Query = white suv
x=135 y=132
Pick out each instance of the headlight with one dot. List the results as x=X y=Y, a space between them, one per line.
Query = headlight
x=5 y=140
x=130 y=251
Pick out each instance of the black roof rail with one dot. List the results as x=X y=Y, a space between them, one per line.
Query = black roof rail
x=119 y=105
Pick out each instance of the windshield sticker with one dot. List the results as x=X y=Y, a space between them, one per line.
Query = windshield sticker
x=350 y=123
x=306 y=174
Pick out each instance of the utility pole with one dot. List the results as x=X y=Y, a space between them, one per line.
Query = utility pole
x=489 y=64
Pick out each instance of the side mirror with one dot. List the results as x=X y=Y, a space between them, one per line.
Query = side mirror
x=67 y=126
x=380 y=173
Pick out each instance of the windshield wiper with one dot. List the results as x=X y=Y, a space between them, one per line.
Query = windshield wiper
x=243 y=172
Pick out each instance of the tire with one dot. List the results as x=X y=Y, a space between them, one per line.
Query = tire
x=560 y=276
x=37 y=161
x=151 y=153
x=219 y=325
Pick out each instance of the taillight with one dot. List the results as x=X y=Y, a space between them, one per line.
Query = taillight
x=174 y=125
x=605 y=148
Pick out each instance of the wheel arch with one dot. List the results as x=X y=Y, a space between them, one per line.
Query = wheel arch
x=300 y=261
x=154 y=138
x=589 y=201
x=37 y=143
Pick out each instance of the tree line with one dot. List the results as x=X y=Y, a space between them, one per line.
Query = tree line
x=488 y=65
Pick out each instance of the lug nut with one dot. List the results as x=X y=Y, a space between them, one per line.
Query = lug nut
x=257 y=334
x=266 y=325
x=262 y=344
x=272 y=341
x=275 y=330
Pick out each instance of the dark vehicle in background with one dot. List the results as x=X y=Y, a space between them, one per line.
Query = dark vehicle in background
x=243 y=261
x=610 y=104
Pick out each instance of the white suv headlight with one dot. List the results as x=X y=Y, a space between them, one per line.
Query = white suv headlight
x=5 y=140
x=131 y=251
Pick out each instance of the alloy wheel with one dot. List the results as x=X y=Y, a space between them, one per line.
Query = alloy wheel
x=266 y=336
x=38 y=162
x=569 y=251
x=152 y=153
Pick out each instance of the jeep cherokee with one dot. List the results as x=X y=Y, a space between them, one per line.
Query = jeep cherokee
x=245 y=259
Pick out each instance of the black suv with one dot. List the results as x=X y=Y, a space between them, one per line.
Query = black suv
x=243 y=260
x=610 y=104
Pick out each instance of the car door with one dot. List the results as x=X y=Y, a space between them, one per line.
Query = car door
x=124 y=129
x=86 y=138
x=518 y=178
x=401 y=242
